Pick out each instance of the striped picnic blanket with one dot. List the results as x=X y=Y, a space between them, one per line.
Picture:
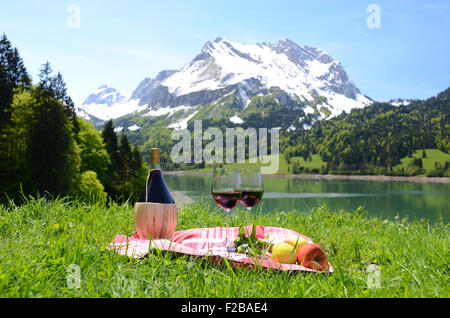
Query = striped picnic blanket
x=208 y=242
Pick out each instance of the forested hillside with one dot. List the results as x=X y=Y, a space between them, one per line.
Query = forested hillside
x=374 y=139
x=45 y=149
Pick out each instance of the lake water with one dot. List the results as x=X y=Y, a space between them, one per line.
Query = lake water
x=414 y=200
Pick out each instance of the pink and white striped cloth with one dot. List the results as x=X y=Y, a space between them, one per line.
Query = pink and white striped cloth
x=208 y=242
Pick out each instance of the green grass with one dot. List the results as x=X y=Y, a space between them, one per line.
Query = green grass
x=41 y=239
x=315 y=163
x=433 y=156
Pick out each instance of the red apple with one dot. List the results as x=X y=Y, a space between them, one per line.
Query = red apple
x=312 y=256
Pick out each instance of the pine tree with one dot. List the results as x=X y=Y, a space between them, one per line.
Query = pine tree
x=417 y=162
x=139 y=171
x=420 y=163
x=136 y=162
x=45 y=81
x=52 y=154
x=111 y=143
x=112 y=183
x=55 y=87
x=128 y=171
x=13 y=74
x=12 y=71
x=60 y=92
x=124 y=171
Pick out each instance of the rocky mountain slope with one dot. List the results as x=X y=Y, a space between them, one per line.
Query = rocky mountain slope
x=279 y=84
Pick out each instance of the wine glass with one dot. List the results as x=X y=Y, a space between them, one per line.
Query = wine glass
x=225 y=191
x=252 y=189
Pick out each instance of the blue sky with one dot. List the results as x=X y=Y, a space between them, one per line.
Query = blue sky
x=119 y=43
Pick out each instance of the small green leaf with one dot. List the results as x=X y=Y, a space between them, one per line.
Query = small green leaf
x=241 y=231
x=253 y=235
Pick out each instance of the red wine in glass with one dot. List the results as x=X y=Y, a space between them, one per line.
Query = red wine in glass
x=250 y=198
x=252 y=189
x=227 y=200
x=225 y=192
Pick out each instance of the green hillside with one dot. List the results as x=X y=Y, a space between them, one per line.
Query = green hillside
x=432 y=156
x=312 y=164
x=377 y=139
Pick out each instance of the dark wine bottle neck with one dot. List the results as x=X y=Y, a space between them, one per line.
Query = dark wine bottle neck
x=155 y=159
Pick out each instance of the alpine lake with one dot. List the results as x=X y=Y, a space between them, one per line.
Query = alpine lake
x=386 y=199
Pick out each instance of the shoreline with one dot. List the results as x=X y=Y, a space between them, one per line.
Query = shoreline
x=327 y=177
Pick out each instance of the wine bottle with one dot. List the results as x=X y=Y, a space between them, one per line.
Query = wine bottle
x=156 y=188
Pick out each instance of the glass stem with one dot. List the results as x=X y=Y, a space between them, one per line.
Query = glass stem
x=228 y=243
x=227 y=233
x=249 y=213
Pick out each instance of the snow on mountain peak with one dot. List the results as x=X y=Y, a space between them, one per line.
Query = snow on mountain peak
x=305 y=73
x=301 y=71
x=106 y=95
x=106 y=102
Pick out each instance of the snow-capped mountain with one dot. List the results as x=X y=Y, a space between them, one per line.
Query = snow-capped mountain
x=227 y=77
x=300 y=71
x=106 y=95
x=106 y=102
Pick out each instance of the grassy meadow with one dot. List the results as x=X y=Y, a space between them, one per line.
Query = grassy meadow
x=315 y=162
x=42 y=239
x=432 y=156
